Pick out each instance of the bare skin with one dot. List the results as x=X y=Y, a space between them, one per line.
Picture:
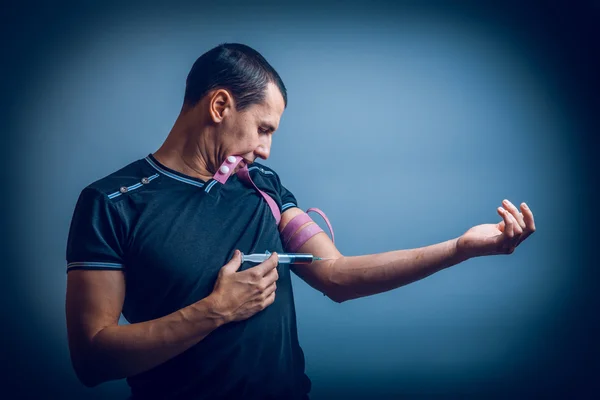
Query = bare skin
x=205 y=135
x=201 y=139
x=102 y=350
x=344 y=278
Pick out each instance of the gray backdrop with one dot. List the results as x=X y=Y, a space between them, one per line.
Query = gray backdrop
x=407 y=125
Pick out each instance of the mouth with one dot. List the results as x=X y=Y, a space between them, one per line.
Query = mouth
x=242 y=164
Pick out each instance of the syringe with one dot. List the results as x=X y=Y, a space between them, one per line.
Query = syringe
x=284 y=258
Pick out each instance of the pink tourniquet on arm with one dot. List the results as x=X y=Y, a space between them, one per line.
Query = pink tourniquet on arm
x=293 y=237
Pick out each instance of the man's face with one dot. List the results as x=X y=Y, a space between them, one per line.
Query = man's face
x=249 y=132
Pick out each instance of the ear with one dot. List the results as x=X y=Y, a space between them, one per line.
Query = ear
x=220 y=104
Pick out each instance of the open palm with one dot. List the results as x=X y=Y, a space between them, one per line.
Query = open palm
x=500 y=238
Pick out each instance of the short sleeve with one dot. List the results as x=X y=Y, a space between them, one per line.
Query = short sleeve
x=95 y=235
x=288 y=200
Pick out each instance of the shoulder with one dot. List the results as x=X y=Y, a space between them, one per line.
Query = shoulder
x=131 y=177
x=263 y=170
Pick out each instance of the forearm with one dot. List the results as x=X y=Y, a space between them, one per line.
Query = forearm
x=120 y=351
x=353 y=277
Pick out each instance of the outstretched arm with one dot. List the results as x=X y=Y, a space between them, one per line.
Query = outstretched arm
x=343 y=278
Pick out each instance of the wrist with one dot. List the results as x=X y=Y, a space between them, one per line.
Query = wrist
x=213 y=310
x=459 y=252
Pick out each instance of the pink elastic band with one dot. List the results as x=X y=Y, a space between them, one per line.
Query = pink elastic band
x=244 y=175
x=322 y=214
x=228 y=167
x=293 y=226
x=301 y=237
x=293 y=238
x=289 y=235
x=225 y=171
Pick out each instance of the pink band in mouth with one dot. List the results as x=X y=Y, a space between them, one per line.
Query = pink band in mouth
x=227 y=168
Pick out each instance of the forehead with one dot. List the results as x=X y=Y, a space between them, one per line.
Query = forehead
x=272 y=106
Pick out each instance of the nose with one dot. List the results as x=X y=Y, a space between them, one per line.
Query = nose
x=264 y=149
x=262 y=152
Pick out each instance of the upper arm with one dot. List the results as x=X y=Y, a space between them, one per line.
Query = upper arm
x=94 y=301
x=95 y=278
x=317 y=274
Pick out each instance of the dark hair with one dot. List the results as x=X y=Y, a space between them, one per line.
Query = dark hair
x=235 y=67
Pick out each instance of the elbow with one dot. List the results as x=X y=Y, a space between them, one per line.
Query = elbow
x=338 y=300
x=87 y=376
x=89 y=382
x=91 y=363
x=335 y=288
x=336 y=296
x=91 y=376
x=87 y=370
x=336 y=291
x=341 y=296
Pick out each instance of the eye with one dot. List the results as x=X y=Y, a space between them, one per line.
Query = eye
x=263 y=131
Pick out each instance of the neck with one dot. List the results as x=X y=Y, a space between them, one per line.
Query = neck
x=187 y=149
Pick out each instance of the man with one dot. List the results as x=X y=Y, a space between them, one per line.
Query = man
x=158 y=241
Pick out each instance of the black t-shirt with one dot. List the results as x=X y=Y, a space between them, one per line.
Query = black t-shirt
x=170 y=234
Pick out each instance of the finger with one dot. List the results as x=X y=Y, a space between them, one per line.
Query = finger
x=270 y=289
x=500 y=226
x=234 y=264
x=271 y=277
x=517 y=230
x=266 y=266
x=509 y=232
x=528 y=218
x=269 y=300
x=512 y=240
x=514 y=212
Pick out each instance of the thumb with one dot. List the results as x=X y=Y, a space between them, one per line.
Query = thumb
x=234 y=264
x=500 y=226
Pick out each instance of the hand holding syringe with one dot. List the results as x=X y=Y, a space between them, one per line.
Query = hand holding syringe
x=284 y=258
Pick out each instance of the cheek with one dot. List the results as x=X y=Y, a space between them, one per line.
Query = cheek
x=243 y=142
x=248 y=136
x=243 y=129
x=244 y=135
